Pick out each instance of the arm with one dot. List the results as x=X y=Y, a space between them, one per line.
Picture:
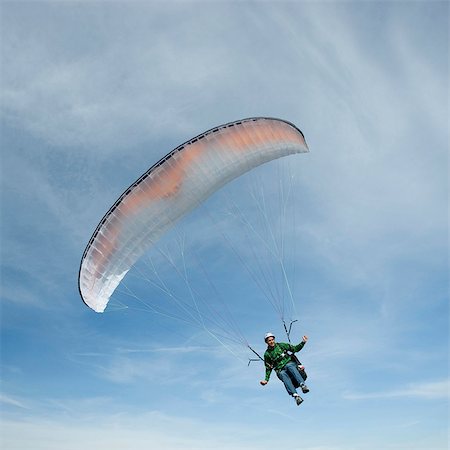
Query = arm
x=298 y=347
x=268 y=371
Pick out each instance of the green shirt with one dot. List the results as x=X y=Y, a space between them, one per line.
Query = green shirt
x=277 y=357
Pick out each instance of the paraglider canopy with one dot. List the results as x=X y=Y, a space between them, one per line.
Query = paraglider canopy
x=171 y=188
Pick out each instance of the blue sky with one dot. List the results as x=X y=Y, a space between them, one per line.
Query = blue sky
x=94 y=93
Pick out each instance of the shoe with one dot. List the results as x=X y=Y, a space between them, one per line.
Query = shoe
x=305 y=388
x=298 y=399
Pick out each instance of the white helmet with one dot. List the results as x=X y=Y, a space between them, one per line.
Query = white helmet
x=268 y=335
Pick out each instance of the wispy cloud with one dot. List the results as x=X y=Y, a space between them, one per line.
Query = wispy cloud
x=117 y=431
x=12 y=401
x=112 y=89
x=144 y=82
x=438 y=390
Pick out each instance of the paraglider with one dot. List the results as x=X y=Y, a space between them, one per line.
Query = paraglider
x=173 y=187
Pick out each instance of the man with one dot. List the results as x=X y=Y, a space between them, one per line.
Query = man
x=277 y=357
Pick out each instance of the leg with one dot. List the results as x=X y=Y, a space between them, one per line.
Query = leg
x=292 y=370
x=283 y=375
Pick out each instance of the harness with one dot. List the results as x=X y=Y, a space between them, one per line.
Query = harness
x=277 y=359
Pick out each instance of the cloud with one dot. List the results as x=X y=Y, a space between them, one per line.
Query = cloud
x=437 y=390
x=117 y=432
x=153 y=363
x=119 y=92
x=11 y=401
x=91 y=96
